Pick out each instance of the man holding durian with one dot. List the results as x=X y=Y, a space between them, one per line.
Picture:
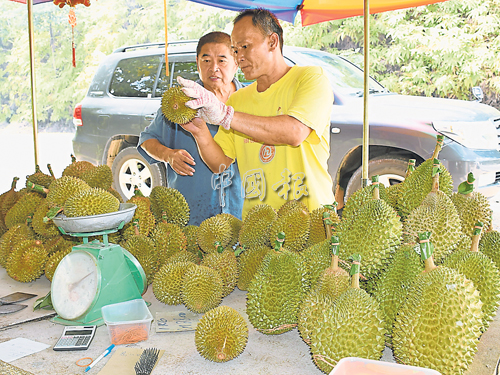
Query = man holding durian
x=166 y=141
x=276 y=129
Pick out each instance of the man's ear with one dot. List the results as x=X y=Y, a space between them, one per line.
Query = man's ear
x=273 y=41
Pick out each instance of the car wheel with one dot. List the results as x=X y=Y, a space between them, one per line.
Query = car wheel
x=391 y=171
x=131 y=169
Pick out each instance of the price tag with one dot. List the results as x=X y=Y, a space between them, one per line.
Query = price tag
x=176 y=321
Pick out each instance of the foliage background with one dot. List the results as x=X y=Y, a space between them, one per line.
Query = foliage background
x=439 y=50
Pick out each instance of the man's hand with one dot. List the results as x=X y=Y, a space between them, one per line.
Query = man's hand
x=180 y=161
x=210 y=108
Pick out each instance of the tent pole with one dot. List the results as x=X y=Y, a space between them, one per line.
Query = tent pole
x=366 y=92
x=32 y=71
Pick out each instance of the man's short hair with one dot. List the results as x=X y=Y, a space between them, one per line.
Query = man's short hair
x=265 y=21
x=218 y=37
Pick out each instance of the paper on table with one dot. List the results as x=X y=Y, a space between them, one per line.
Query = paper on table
x=18 y=348
x=123 y=361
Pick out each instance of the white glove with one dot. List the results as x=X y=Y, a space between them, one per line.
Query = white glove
x=211 y=109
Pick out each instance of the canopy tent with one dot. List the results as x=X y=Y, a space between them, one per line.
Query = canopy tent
x=316 y=11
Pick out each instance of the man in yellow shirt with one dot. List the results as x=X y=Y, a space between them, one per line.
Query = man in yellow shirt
x=277 y=128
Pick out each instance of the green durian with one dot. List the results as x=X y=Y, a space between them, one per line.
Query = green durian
x=53 y=261
x=27 y=260
x=438 y=325
x=168 y=281
x=294 y=220
x=235 y=227
x=144 y=250
x=332 y=282
x=77 y=168
x=391 y=289
x=64 y=187
x=183 y=256
x=275 y=294
x=256 y=225
x=490 y=245
x=7 y=200
x=317 y=258
x=317 y=231
x=480 y=269
x=394 y=191
x=419 y=183
x=472 y=206
x=13 y=236
x=248 y=263
x=94 y=201
x=351 y=326
x=169 y=240
x=98 y=177
x=223 y=261
x=212 y=230
x=173 y=106
x=201 y=289
x=436 y=214
x=191 y=233
x=221 y=334
x=170 y=203
x=24 y=207
x=46 y=229
x=39 y=178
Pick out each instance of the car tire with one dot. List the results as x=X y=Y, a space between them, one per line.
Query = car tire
x=391 y=171
x=130 y=168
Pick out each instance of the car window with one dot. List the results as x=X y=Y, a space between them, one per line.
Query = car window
x=135 y=77
x=186 y=70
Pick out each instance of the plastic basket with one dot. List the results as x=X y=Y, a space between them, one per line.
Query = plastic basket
x=361 y=366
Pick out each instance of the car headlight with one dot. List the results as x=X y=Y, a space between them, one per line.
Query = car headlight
x=479 y=135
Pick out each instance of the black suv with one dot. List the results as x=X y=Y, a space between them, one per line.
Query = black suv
x=126 y=91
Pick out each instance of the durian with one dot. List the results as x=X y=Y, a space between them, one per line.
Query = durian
x=394 y=191
x=168 y=281
x=490 y=245
x=438 y=325
x=94 y=201
x=169 y=239
x=294 y=220
x=481 y=270
x=256 y=224
x=98 y=177
x=46 y=229
x=170 y=202
x=248 y=264
x=24 y=207
x=39 y=178
x=191 y=233
x=235 y=227
x=419 y=183
x=7 y=200
x=76 y=168
x=436 y=214
x=173 y=106
x=12 y=237
x=275 y=294
x=317 y=232
x=223 y=261
x=214 y=229
x=144 y=250
x=27 y=261
x=53 y=261
x=472 y=206
x=221 y=334
x=352 y=326
x=64 y=187
x=201 y=289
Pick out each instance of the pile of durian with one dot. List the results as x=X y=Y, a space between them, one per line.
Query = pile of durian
x=30 y=243
x=414 y=267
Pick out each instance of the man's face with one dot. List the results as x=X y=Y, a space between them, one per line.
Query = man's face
x=251 y=48
x=216 y=65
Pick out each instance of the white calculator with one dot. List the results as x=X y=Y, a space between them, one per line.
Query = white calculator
x=76 y=338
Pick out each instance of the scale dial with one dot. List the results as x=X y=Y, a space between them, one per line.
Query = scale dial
x=75 y=284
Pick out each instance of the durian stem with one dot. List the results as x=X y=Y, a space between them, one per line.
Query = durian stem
x=435 y=183
x=429 y=264
x=475 y=244
x=355 y=281
x=376 y=190
x=335 y=262
x=439 y=144
x=476 y=236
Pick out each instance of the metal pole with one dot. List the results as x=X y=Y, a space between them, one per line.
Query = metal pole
x=32 y=71
x=366 y=92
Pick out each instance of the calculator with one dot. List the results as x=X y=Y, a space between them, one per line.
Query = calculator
x=76 y=338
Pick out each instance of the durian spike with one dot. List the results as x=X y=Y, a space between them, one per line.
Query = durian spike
x=436 y=169
x=467 y=187
x=439 y=145
x=37 y=188
x=328 y=224
x=411 y=167
x=426 y=249
x=279 y=241
x=476 y=236
x=49 y=167
x=376 y=188
x=334 y=246
x=354 y=272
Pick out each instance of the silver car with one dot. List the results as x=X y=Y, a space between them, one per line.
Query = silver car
x=126 y=91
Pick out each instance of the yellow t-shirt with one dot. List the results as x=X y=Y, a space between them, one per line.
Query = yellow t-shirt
x=274 y=174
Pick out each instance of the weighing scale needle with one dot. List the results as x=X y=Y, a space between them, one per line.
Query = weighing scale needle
x=73 y=285
x=106 y=352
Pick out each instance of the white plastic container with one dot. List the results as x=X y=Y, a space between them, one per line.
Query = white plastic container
x=128 y=322
x=361 y=366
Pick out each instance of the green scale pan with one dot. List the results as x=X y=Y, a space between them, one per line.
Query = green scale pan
x=95 y=274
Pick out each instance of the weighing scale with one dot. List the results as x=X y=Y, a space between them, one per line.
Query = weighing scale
x=95 y=274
